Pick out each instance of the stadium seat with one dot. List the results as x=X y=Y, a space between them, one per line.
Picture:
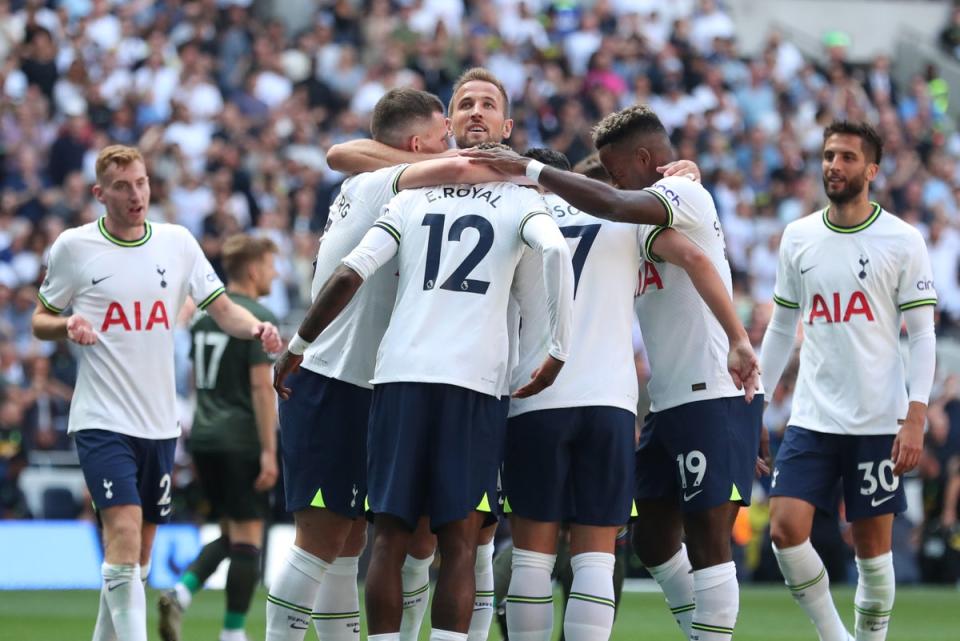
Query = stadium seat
x=59 y=503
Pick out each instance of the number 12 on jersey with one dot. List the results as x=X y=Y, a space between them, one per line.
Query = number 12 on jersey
x=457 y=281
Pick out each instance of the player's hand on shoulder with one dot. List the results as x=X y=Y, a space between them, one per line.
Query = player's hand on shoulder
x=541 y=379
x=80 y=331
x=505 y=160
x=744 y=368
x=287 y=364
x=908 y=445
x=682 y=168
x=269 y=336
x=268 y=471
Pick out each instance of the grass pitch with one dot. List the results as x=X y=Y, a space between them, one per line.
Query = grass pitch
x=766 y=614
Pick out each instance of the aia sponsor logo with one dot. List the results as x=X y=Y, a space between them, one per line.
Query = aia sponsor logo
x=837 y=312
x=133 y=319
x=649 y=277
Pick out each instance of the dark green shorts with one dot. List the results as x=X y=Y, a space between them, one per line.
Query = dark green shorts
x=227 y=480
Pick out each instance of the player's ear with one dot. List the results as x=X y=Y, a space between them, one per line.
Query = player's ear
x=414 y=144
x=642 y=154
x=507 y=128
x=872 y=170
x=97 y=191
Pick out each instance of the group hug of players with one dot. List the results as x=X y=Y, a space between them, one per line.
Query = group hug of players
x=468 y=353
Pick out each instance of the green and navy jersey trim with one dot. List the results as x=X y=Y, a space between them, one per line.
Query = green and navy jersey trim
x=53 y=308
x=874 y=613
x=917 y=303
x=648 y=245
x=525 y=220
x=390 y=229
x=877 y=210
x=666 y=204
x=783 y=302
x=148 y=232
x=395 y=187
x=212 y=297
x=690 y=607
x=580 y=596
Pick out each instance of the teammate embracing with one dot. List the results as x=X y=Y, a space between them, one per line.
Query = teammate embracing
x=697 y=452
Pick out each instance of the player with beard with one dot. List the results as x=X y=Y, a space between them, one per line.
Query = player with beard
x=698 y=449
x=850 y=274
x=479 y=113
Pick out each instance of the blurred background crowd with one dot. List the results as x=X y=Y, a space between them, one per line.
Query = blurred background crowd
x=234 y=105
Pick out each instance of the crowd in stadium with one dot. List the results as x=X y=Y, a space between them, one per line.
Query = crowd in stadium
x=235 y=112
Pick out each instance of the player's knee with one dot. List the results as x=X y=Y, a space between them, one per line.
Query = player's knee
x=784 y=534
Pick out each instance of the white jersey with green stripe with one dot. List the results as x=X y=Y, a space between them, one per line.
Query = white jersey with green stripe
x=131 y=293
x=685 y=343
x=851 y=285
x=458 y=249
x=347 y=349
x=600 y=370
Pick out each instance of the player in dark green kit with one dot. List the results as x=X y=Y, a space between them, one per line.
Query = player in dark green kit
x=233 y=441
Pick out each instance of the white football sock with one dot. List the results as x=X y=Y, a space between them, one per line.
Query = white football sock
x=530 y=596
x=292 y=595
x=675 y=578
x=126 y=601
x=483 y=603
x=415 y=576
x=446 y=635
x=336 y=613
x=591 y=606
x=807 y=578
x=873 y=602
x=388 y=636
x=716 y=595
x=103 y=629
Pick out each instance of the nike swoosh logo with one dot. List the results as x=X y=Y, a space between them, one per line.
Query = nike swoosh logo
x=113 y=586
x=164 y=511
x=96 y=281
x=687 y=498
x=804 y=271
x=299 y=626
x=874 y=502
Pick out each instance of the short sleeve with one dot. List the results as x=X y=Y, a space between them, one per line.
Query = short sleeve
x=915 y=286
x=688 y=205
x=380 y=185
x=786 y=291
x=648 y=234
x=391 y=217
x=60 y=283
x=204 y=284
x=529 y=203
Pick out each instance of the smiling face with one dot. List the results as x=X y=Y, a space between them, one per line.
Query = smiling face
x=125 y=192
x=846 y=170
x=478 y=114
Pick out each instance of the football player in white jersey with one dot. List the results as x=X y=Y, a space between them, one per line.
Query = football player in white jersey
x=479 y=113
x=126 y=280
x=698 y=449
x=437 y=418
x=850 y=274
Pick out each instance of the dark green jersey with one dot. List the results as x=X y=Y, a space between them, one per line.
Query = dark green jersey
x=224 y=419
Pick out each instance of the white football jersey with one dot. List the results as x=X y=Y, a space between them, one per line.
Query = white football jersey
x=600 y=370
x=131 y=292
x=686 y=345
x=851 y=285
x=347 y=348
x=459 y=246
